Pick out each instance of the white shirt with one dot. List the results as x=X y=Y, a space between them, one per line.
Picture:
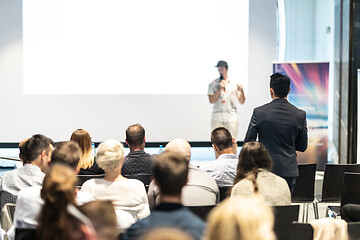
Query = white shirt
x=224 y=109
x=128 y=196
x=28 y=207
x=223 y=169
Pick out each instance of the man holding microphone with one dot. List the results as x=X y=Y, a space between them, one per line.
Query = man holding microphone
x=224 y=95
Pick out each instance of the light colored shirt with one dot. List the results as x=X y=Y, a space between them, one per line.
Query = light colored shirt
x=200 y=190
x=128 y=196
x=223 y=169
x=28 y=207
x=13 y=181
x=273 y=188
x=224 y=109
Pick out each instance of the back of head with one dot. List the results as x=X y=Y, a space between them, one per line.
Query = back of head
x=221 y=137
x=180 y=146
x=166 y=234
x=280 y=84
x=22 y=155
x=35 y=146
x=103 y=217
x=135 y=135
x=82 y=137
x=170 y=173
x=67 y=153
x=110 y=155
x=58 y=191
x=253 y=156
x=241 y=219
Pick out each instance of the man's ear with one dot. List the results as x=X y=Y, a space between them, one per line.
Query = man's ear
x=272 y=93
x=233 y=141
x=126 y=141
x=215 y=147
x=289 y=90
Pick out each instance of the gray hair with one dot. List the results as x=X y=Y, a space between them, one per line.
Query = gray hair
x=110 y=155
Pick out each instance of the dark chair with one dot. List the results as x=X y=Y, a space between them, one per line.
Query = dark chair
x=25 y=234
x=84 y=178
x=224 y=192
x=350 y=192
x=284 y=216
x=333 y=182
x=301 y=231
x=354 y=230
x=201 y=211
x=304 y=188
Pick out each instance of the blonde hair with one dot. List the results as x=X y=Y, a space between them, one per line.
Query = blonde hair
x=110 y=155
x=241 y=219
x=58 y=191
x=82 y=137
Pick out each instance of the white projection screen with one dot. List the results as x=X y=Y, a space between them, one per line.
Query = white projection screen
x=102 y=65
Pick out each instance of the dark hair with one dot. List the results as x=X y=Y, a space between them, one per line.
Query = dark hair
x=252 y=157
x=22 y=155
x=67 y=153
x=170 y=172
x=221 y=138
x=135 y=135
x=280 y=84
x=58 y=191
x=35 y=146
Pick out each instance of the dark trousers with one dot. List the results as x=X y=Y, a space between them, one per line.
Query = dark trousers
x=350 y=212
x=291 y=182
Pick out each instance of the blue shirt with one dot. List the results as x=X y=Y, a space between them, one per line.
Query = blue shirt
x=168 y=215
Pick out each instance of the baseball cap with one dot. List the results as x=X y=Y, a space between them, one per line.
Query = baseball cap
x=221 y=63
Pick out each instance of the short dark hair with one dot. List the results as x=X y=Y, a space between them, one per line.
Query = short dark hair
x=252 y=157
x=67 y=153
x=221 y=138
x=170 y=172
x=35 y=146
x=280 y=84
x=135 y=135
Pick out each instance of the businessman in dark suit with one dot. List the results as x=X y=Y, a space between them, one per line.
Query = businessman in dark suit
x=281 y=127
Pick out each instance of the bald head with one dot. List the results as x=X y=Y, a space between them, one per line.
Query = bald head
x=180 y=146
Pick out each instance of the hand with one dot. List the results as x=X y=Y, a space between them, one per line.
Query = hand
x=239 y=87
x=223 y=83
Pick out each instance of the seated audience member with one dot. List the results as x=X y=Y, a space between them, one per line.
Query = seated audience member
x=223 y=169
x=37 y=152
x=22 y=151
x=253 y=176
x=166 y=234
x=350 y=212
x=201 y=188
x=137 y=162
x=170 y=173
x=103 y=218
x=87 y=164
x=128 y=195
x=59 y=218
x=241 y=219
x=29 y=201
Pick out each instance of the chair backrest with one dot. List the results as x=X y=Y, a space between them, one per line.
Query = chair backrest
x=351 y=189
x=354 y=230
x=201 y=211
x=305 y=183
x=7 y=216
x=224 y=192
x=84 y=178
x=333 y=180
x=284 y=216
x=301 y=231
x=146 y=179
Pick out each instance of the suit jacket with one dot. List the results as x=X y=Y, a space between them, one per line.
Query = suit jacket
x=282 y=128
